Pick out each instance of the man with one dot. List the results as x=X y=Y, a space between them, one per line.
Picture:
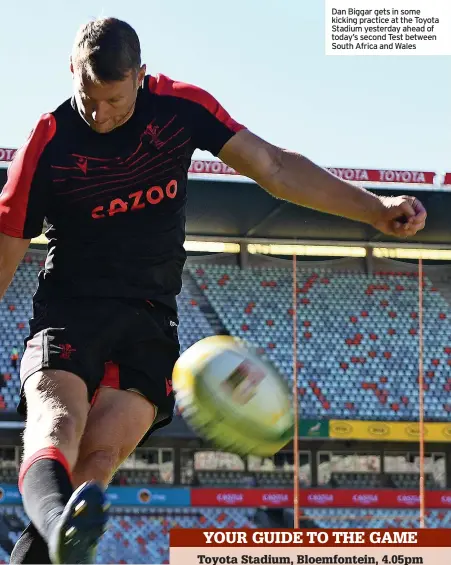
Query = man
x=14 y=357
x=108 y=171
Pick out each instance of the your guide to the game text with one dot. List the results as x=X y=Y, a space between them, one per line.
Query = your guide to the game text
x=265 y=537
x=310 y=546
x=378 y=27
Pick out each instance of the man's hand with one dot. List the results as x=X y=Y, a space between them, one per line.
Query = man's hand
x=405 y=208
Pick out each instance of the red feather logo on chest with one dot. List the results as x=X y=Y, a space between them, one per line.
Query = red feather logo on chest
x=82 y=163
x=153 y=132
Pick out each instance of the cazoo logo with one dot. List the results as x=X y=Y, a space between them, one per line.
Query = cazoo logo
x=137 y=201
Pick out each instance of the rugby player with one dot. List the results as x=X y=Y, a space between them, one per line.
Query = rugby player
x=107 y=170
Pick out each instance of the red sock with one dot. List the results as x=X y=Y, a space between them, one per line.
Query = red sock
x=46 y=453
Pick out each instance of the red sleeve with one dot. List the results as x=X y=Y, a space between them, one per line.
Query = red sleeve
x=211 y=125
x=24 y=197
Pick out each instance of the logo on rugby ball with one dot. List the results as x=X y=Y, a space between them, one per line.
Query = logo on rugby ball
x=242 y=384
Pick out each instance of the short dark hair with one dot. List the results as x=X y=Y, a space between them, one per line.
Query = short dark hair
x=107 y=50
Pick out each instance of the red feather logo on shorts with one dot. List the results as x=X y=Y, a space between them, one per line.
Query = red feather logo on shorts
x=66 y=350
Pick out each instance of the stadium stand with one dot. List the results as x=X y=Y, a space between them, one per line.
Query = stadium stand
x=358 y=327
x=351 y=325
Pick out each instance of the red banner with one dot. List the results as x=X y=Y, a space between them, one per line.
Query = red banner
x=391 y=176
x=383 y=176
x=7 y=154
x=210 y=168
x=317 y=498
x=357 y=175
x=447 y=178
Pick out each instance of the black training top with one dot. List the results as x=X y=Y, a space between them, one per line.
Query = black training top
x=115 y=202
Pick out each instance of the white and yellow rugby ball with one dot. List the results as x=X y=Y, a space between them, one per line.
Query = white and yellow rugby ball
x=230 y=397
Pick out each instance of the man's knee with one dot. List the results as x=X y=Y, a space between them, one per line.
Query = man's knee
x=99 y=465
x=57 y=409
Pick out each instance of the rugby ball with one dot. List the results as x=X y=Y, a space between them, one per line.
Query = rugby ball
x=233 y=399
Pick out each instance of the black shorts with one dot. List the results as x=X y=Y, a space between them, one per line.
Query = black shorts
x=126 y=344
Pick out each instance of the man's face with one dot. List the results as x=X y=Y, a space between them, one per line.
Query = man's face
x=106 y=106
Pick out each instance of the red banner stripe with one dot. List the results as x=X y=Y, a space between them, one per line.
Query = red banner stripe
x=349 y=174
x=318 y=498
x=384 y=176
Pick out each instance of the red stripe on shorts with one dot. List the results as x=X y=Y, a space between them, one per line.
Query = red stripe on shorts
x=110 y=378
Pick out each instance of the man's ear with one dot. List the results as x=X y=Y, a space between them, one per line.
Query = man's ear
x=141 y=75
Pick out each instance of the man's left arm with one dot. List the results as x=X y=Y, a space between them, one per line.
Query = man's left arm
x=292 y=177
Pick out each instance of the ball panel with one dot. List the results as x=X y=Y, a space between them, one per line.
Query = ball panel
x=233 y=399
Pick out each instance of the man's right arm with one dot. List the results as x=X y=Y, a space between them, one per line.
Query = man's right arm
x=24 y=199
x=12 y=251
